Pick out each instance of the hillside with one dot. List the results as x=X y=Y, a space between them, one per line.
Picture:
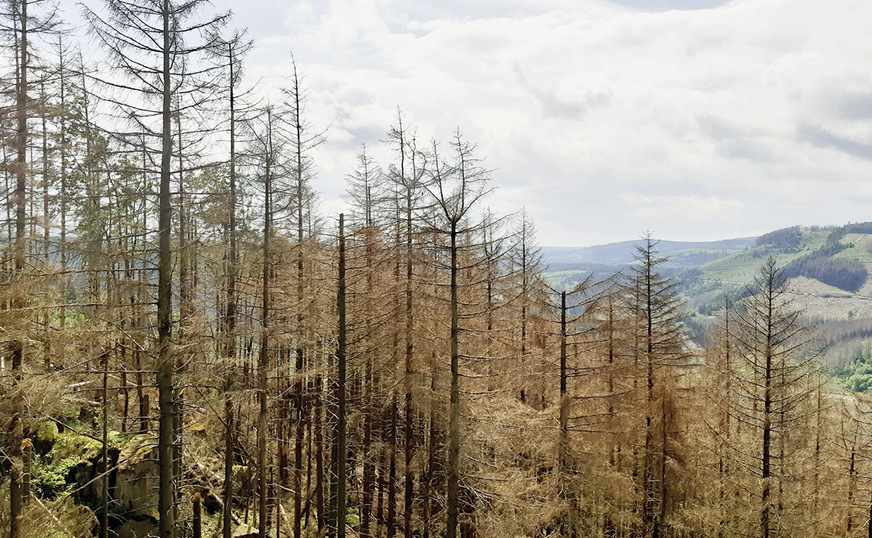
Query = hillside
x=680 y=253
x=828 y=270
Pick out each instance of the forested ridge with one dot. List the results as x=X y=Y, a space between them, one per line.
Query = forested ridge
x=192 y=347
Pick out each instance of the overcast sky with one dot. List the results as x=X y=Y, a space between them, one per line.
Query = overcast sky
x=694 y=119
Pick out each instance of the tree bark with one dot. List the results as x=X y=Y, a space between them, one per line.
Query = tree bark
x=340 y=397
x=165 y=388
x=229 y=426
x=454 y=410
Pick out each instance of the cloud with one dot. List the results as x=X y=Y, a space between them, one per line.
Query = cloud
x=738 y=108
x=669 y=5
x=820 y=137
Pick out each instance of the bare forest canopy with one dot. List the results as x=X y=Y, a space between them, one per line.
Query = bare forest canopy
x=191 y=346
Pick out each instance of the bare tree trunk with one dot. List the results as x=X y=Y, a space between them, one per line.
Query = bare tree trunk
x=340 y=396
x=454 y=410
x=15 y=501
x=870 y=516
x=431 y=461
x=26 y=470
x=564 y=398
x=392 y=472
x=298 y=445
x=299 y=173
x=264 y=337
x=382 y=484
x=165 y=388
x=21 y=137
x=198 y=518
x=104 y=467
x=367 y=450
x=46 y=226
x=408 y=409
x=318 y=430
x=63 y=202
x=229 y=426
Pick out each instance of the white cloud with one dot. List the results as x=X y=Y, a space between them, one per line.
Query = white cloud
x=602 y=119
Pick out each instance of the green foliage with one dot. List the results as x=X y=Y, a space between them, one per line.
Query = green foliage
x=860 y=380
x=848 y=275
x=859 y=228
x=857 y=376
x=785 y=238
x=69 y=449
x=49 y=478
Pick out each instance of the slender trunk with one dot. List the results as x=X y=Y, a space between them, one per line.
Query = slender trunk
x=125 y=392
x=431 y=461
x=368 y=468
x=228 y=464
x=46 y=226
x=104 y=466
x=318 y=429
x=183 y=258
x=334 y=450
x=368 y=389
x=454 y=410
x=725 y=425
x=230 y=315
x=298 y=445
x=766 y=452
x=15 y=502
x=264 y=337
x=409 y=410
x=870 y=519
x=298 y=171
x=340 y=396
x=392 y=472
x=62 y=198
x=615 y=449
x=197 y=518
x=283 y=428
x=20 y=169
x=382 y=483
x=564 y=399
x=164 y=302
x=141 y=397
x=852 y=483
x=10 y=222
x=26 y=470
x=650 y=477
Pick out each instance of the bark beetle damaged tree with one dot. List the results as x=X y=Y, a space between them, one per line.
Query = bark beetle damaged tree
x=778 y=352
x=412 y=368
x=153 y=46
x=654 y=303
x=455 y=190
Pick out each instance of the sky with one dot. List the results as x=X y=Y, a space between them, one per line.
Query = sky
x=692 y=119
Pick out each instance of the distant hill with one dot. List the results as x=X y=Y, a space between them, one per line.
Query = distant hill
x=681 y=253
x=828 y=268
x=569 y=265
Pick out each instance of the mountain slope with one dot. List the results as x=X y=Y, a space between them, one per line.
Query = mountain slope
x=828 y=270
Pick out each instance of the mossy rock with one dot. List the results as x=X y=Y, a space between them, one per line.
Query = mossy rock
x=43 y=433
x=70 y=443
x=241 y=477
x=136 y=483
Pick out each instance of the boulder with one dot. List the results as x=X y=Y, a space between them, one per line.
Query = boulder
x=136 y=485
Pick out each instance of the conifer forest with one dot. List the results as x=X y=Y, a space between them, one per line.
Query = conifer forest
x=191 y=346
